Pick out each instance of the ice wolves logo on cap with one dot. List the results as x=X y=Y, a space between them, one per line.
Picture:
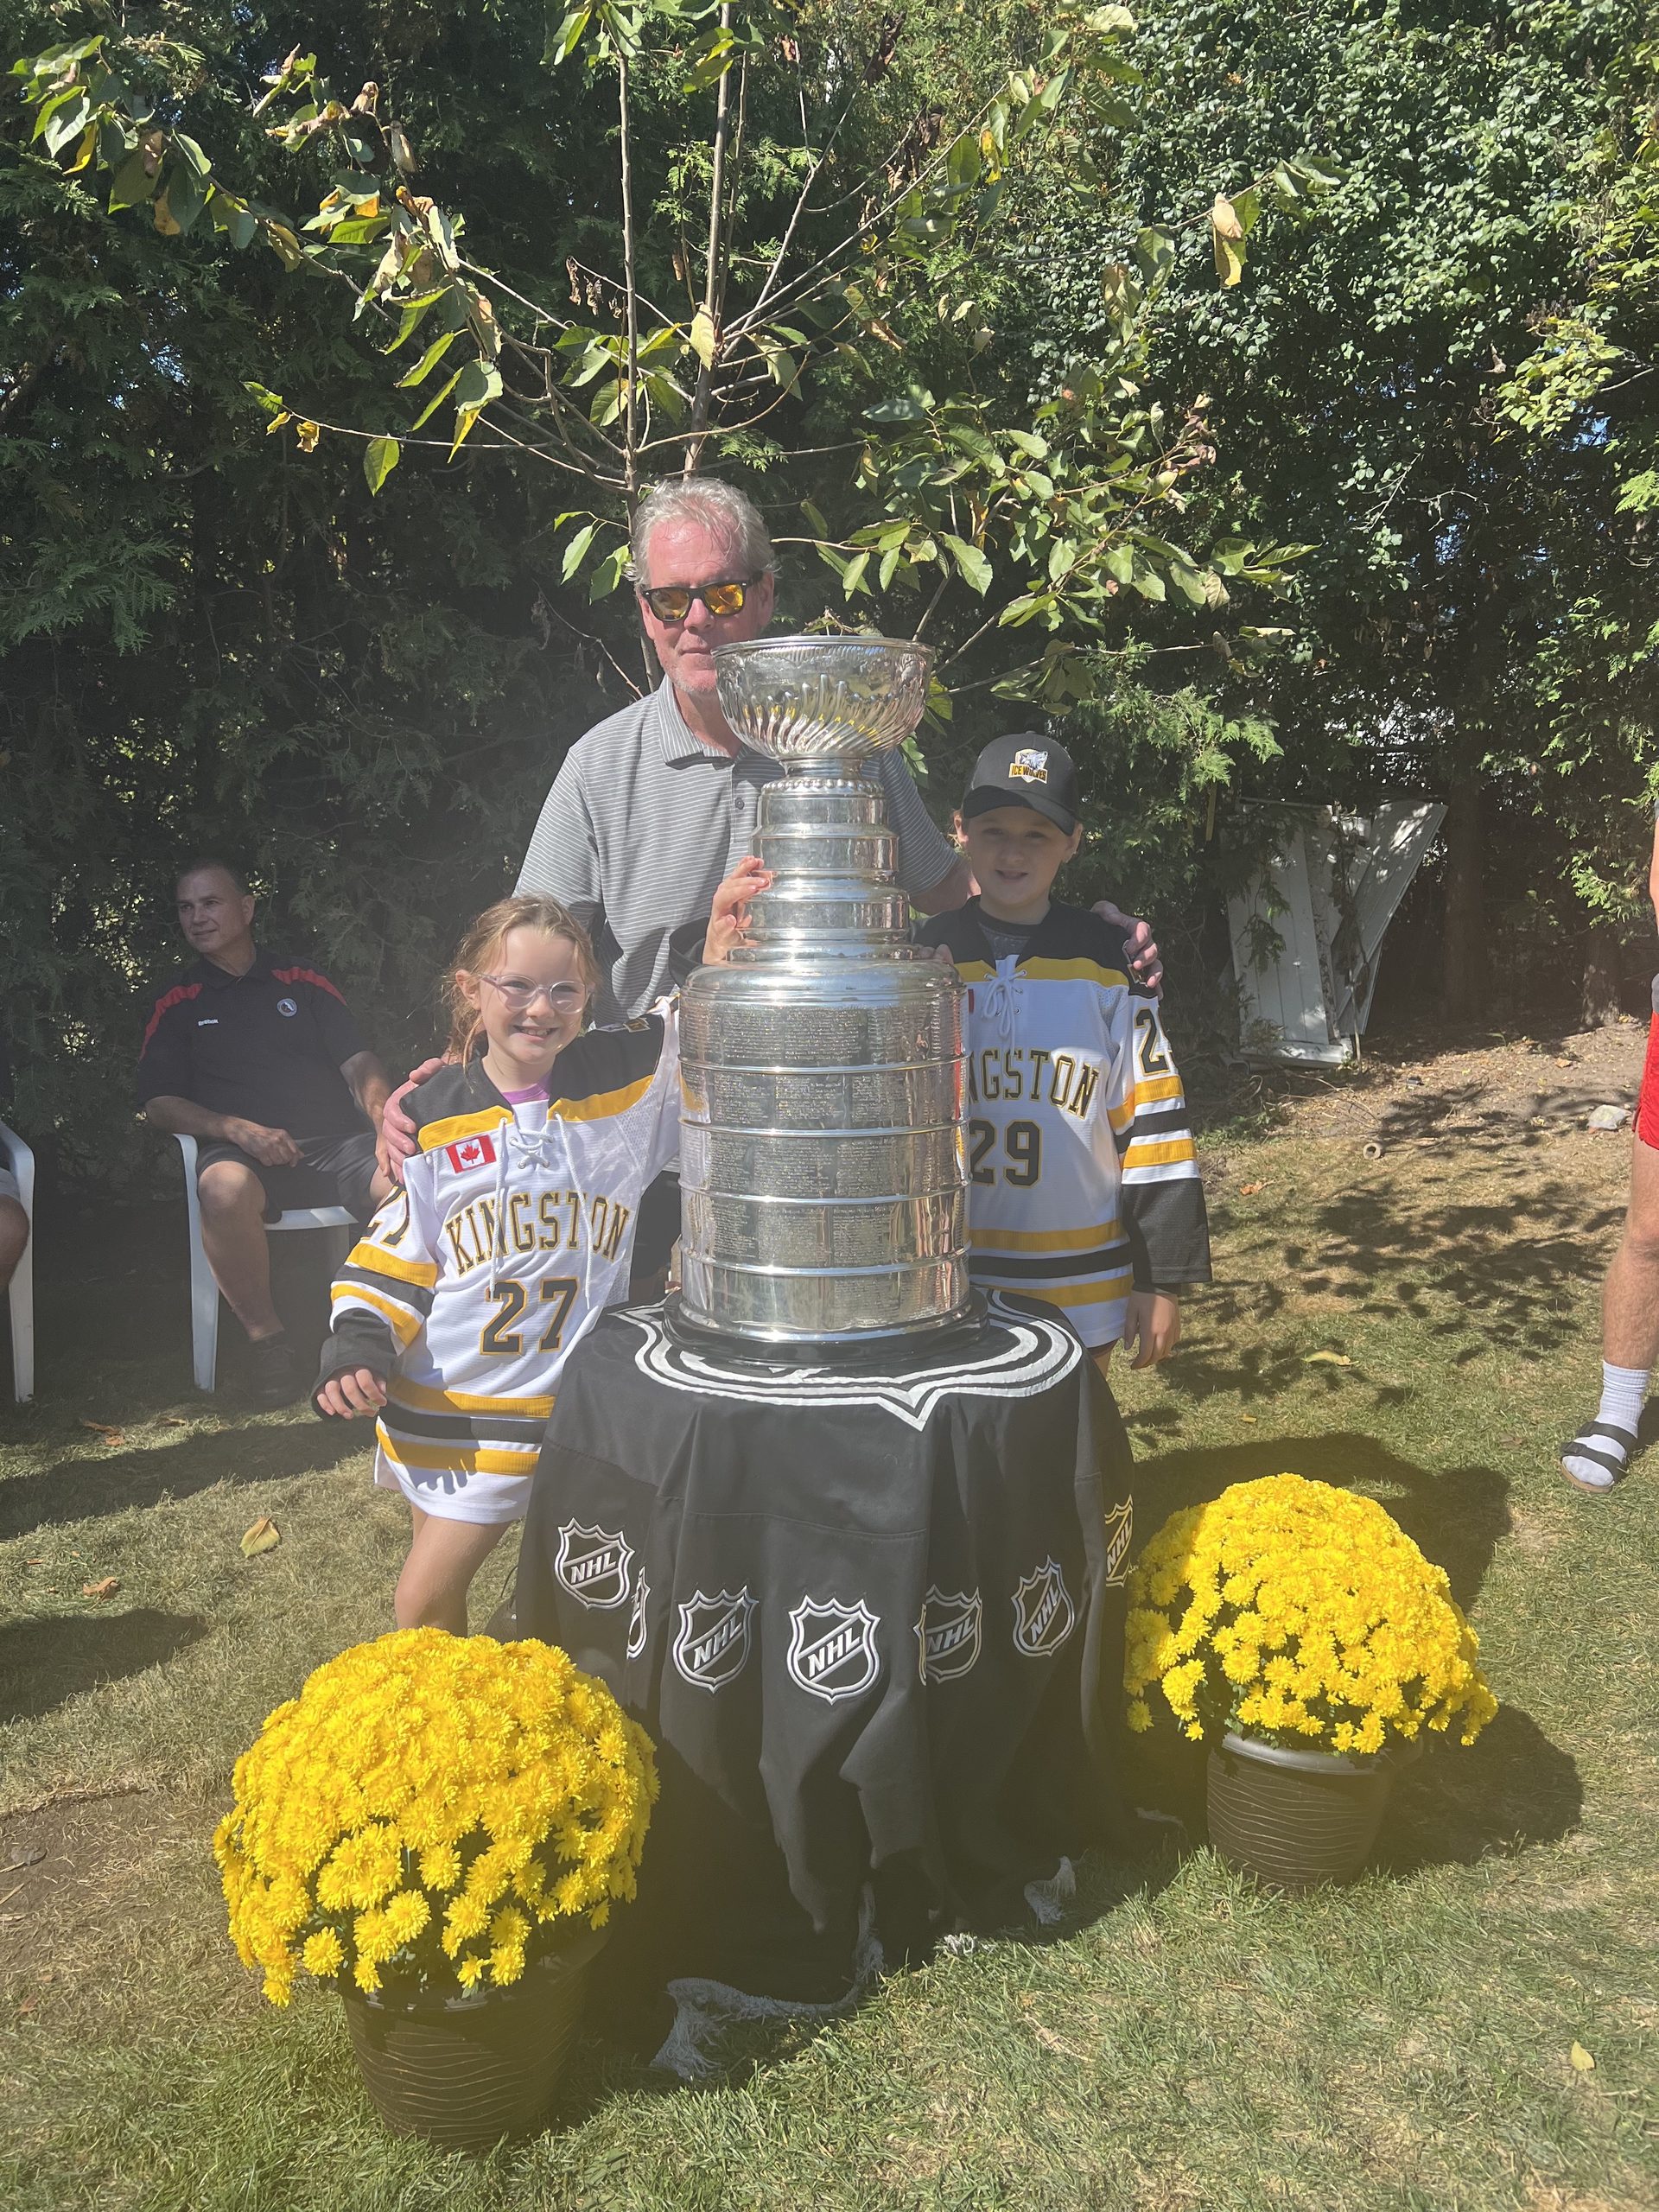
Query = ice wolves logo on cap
x=713 y=1645
x=948 y=1633
x=1043 y=1615
x=594 y=1565
x=832 y=1651
x=1028 y=765
x=471 y=1152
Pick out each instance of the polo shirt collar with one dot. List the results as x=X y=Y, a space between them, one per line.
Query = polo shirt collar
x=678 y=741
x=206 y=971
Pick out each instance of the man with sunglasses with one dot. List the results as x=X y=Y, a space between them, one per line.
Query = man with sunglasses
x=651 y=808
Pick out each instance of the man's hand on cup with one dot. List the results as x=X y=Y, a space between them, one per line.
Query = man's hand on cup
x=271 y=1147
x=351 y=1393
x=729 y=918
x=397 y=1140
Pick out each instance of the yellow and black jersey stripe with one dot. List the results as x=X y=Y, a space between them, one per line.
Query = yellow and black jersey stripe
x=599 y=1074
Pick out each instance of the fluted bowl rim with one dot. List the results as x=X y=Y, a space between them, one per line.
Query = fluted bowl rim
x=776 y=726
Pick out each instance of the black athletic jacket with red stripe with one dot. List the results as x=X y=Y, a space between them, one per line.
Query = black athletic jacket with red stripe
x=268 y=1045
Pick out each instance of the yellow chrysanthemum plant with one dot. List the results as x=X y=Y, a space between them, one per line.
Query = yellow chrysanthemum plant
x=1302 y=1616
x=430 y=1814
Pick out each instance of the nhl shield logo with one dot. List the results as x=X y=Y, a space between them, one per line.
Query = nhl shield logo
x=711 y=1647
x=636 y=1643
x=595 y=1565
x=1043 y=1615
x=1120 y=1528
x=832 y=1651
x=947 y=1635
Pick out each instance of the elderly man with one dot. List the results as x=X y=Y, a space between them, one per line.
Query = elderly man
x=254 y=1053
x=650 y=809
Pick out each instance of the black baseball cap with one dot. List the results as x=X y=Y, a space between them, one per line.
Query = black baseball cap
x=1025 y=770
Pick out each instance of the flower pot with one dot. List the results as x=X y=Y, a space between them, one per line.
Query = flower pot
x=464 y=2071
x=1297 y=1818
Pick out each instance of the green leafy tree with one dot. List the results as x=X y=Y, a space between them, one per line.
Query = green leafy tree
x=1466 y=621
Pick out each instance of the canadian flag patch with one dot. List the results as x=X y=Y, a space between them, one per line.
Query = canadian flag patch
x=471 y=1152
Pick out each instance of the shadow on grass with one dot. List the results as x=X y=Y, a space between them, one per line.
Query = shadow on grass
x=1476 y=1278
x=45 y=1663
x=1510 y=1788
x=79 y=1489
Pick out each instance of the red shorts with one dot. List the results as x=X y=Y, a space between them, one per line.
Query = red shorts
x=1647 y=1104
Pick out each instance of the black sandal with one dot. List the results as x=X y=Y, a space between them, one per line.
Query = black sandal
x=1603 y=1445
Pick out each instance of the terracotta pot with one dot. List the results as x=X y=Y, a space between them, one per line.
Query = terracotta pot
x=465 y=2071
x=1297 y=1818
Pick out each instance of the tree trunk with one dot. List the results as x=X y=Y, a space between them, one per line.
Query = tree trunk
x=1465 y=975
x=1598 y=988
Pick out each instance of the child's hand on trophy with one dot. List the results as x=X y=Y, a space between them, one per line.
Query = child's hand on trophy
x=728 y=919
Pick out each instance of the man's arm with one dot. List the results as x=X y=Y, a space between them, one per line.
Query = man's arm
x=369 y=1084
x=954 y=888
x=183 y=1117
x=1653 y=867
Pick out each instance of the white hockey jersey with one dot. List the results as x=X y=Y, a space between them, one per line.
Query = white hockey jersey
x=513 y=1232
x=1083 y=1180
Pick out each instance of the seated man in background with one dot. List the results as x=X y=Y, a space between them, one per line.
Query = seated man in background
x=255 y=1055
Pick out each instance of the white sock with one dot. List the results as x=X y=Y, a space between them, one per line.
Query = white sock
x=1623 y=1391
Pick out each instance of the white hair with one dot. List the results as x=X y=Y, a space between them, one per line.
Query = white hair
x=716 y=506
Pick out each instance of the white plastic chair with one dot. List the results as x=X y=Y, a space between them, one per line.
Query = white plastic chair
x=21 y=1161
x=204 y=1291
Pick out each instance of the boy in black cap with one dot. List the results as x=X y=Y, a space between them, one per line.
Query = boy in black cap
x=1085 y=1188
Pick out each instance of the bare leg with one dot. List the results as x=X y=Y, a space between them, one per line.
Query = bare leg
x=1103 y=1359
x=1629 y=1302
x=13 y=1234
x=233 y=1237
x=443 y=1557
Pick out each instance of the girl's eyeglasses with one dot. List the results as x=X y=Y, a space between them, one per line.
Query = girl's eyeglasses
x=518 y=998
x=672 y=602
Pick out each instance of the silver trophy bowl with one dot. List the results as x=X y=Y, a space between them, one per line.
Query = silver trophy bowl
x=821 y=1167
x=822 y=699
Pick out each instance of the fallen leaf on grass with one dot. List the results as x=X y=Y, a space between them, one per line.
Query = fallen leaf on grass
x=173 y=1420
x=110 y=1435
x=106 y=1588
x=1249 y=1190
x=1580 y=2060
x=264 y=1536
x=1329 y=1359
x=1249 y=1417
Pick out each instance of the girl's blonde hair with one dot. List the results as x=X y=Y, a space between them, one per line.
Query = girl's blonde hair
x=481 y=947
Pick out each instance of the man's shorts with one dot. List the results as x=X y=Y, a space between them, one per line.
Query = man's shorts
x=1647 y=1104
x=9 y=1185
x=338 y=1172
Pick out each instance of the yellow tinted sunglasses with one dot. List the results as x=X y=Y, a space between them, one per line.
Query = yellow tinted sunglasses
x=672 y=602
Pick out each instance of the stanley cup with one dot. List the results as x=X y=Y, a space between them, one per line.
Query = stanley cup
x=822 y=1164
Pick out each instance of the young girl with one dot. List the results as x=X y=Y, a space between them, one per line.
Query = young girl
x=454 y=1316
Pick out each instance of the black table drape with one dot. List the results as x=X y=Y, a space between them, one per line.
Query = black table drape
x=871 y=1612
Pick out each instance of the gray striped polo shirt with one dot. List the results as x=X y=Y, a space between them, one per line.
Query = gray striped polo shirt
x=644 y=822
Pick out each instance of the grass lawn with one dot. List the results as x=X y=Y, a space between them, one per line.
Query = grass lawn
x=1403 y=2044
